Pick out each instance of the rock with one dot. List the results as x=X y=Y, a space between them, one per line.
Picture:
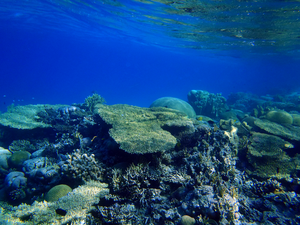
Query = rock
x=4 y=156
x=187 y=220
x=38 y=153
x=143 y=130
x=15 y=180
x=17 y=158
x=34 y=163
x=57 y=192
x=279 y=116
x=175 y=103
x=15 y=184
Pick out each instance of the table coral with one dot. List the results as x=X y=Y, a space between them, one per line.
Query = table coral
x=141 y=130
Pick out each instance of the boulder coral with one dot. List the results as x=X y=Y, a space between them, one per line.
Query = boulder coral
x=280 y=116
x=17 y=158
x=175 y=103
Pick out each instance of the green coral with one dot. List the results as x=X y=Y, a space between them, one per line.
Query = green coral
x=143 y=130
x=57 y=192
x=93 y=100
x=17 y=158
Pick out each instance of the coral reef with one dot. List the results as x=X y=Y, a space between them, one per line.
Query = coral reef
x=157 y=165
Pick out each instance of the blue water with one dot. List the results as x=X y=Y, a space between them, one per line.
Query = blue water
x=134 y=52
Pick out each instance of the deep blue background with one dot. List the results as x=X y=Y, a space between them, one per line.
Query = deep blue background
x=57 y=68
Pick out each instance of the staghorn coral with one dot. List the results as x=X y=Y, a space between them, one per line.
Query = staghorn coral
x=82 y=166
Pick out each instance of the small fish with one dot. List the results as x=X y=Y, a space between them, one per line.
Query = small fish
x=288 y=145
x=61 y=212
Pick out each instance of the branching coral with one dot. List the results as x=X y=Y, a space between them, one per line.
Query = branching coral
x=93 y=100
x=82 y=166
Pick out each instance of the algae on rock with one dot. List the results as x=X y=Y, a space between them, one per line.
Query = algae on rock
x=25 y=117
x=143 y=130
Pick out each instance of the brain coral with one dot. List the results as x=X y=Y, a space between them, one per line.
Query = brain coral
x=57 y=192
